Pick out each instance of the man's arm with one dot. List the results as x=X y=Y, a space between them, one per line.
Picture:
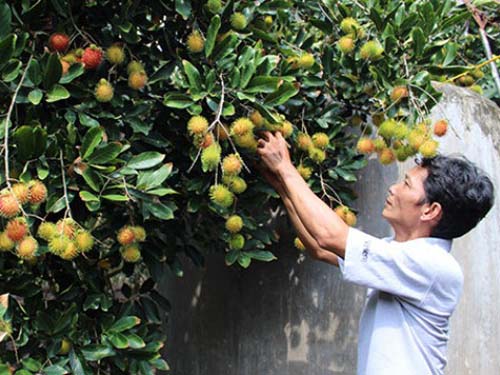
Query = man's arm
x=309 y=242
x=319 y=220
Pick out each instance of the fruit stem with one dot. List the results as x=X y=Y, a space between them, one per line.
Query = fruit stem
x=7 y=120
x=63 y=175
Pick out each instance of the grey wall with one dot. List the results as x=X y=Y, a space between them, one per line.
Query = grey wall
x=295 y=316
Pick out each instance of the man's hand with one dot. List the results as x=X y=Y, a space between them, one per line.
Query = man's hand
x=273 y=151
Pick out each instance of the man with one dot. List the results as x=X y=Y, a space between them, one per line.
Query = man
x=414 y=284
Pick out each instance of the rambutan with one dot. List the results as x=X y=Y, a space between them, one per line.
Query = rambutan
x=58 y=244
x=234 y=224
x=131 y=253
x=440 y=128
x=236 y=184
x=195 y=42
x=6 y=243
x=398 y=93
x=305 y=172
x=137 y=80
x=125 y=235
x=237 y=242
x=27 y=248
x=257 y=119
x=9 y=206
x=241 y=126
x=139 y=233
x=320 y=140
x=317 y=155
x=38 y=192
x=70 y=252
x=115 y=54
x=47 y=230
x=16 y=229
x=84 y=241
x=346 y=44
x=210 y=157
x=231 y=165
x=305 y=61
x=304 y=141
x=365 y=146
x=238 y=21
x=428 y=149
x=221 y=195
x=386 y=156
x=103 y=91
x=197 y=125
x=92 y=57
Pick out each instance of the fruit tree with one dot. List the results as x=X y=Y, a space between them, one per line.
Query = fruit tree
x=129 y=131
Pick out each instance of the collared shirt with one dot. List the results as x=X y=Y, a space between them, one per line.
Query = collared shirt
x=414 y=286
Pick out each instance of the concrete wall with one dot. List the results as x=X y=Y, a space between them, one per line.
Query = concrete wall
x=295 y=316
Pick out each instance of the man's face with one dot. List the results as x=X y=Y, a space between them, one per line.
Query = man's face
x=403 y=207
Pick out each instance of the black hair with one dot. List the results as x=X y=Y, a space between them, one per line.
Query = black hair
x=464 y=192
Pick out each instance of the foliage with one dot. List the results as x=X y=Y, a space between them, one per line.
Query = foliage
x=111 y=143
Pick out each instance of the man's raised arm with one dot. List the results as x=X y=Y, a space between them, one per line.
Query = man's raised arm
x=323 y=224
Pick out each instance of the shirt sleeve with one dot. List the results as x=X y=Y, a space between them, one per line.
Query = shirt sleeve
x=391 y=267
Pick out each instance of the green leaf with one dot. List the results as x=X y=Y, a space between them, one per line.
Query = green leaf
x=54 y=370
x=286 y=91
x=7 y=48
x=57 y=93
x=135 y=341
x=124 y=323
x=87 y=196
x=11 y=70
x=35 y=96
x=105 y=153
x=183 y=7
x=90 y=141
x=160 y=210
x=5 y=20
x=76 y=363
x=92 y=179
x=212 y=31
x=451 y=53
x=75 y=71
x=116 y=197
x=162 y=191
x=160 y=364
x=346 y=175
x=31 y=142
x=32 y=364
x=193 y=76
x=119 y=340
x=264 y=256
x=244 y=260
x=151 y=179
x=263 y=84
x=86 y=120
x=418 y=40
x=179 y=101
x=231 y=257
x=34 y=73
x=146 y=160
x=225 y=47
x=52 y=71
x=97 y=352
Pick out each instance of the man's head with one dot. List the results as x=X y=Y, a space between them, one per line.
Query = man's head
x=444 y=196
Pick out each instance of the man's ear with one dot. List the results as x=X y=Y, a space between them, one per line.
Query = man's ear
x=432 y=212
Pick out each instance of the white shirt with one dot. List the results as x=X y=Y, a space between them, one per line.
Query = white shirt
x=414 y=286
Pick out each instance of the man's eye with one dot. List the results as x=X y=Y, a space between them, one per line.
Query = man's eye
x=407 y=184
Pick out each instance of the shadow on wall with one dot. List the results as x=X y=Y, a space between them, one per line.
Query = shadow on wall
x=288 y=317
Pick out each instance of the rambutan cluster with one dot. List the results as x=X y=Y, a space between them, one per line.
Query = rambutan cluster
x=65 y=238
x=398 y=141
x=129 y=237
